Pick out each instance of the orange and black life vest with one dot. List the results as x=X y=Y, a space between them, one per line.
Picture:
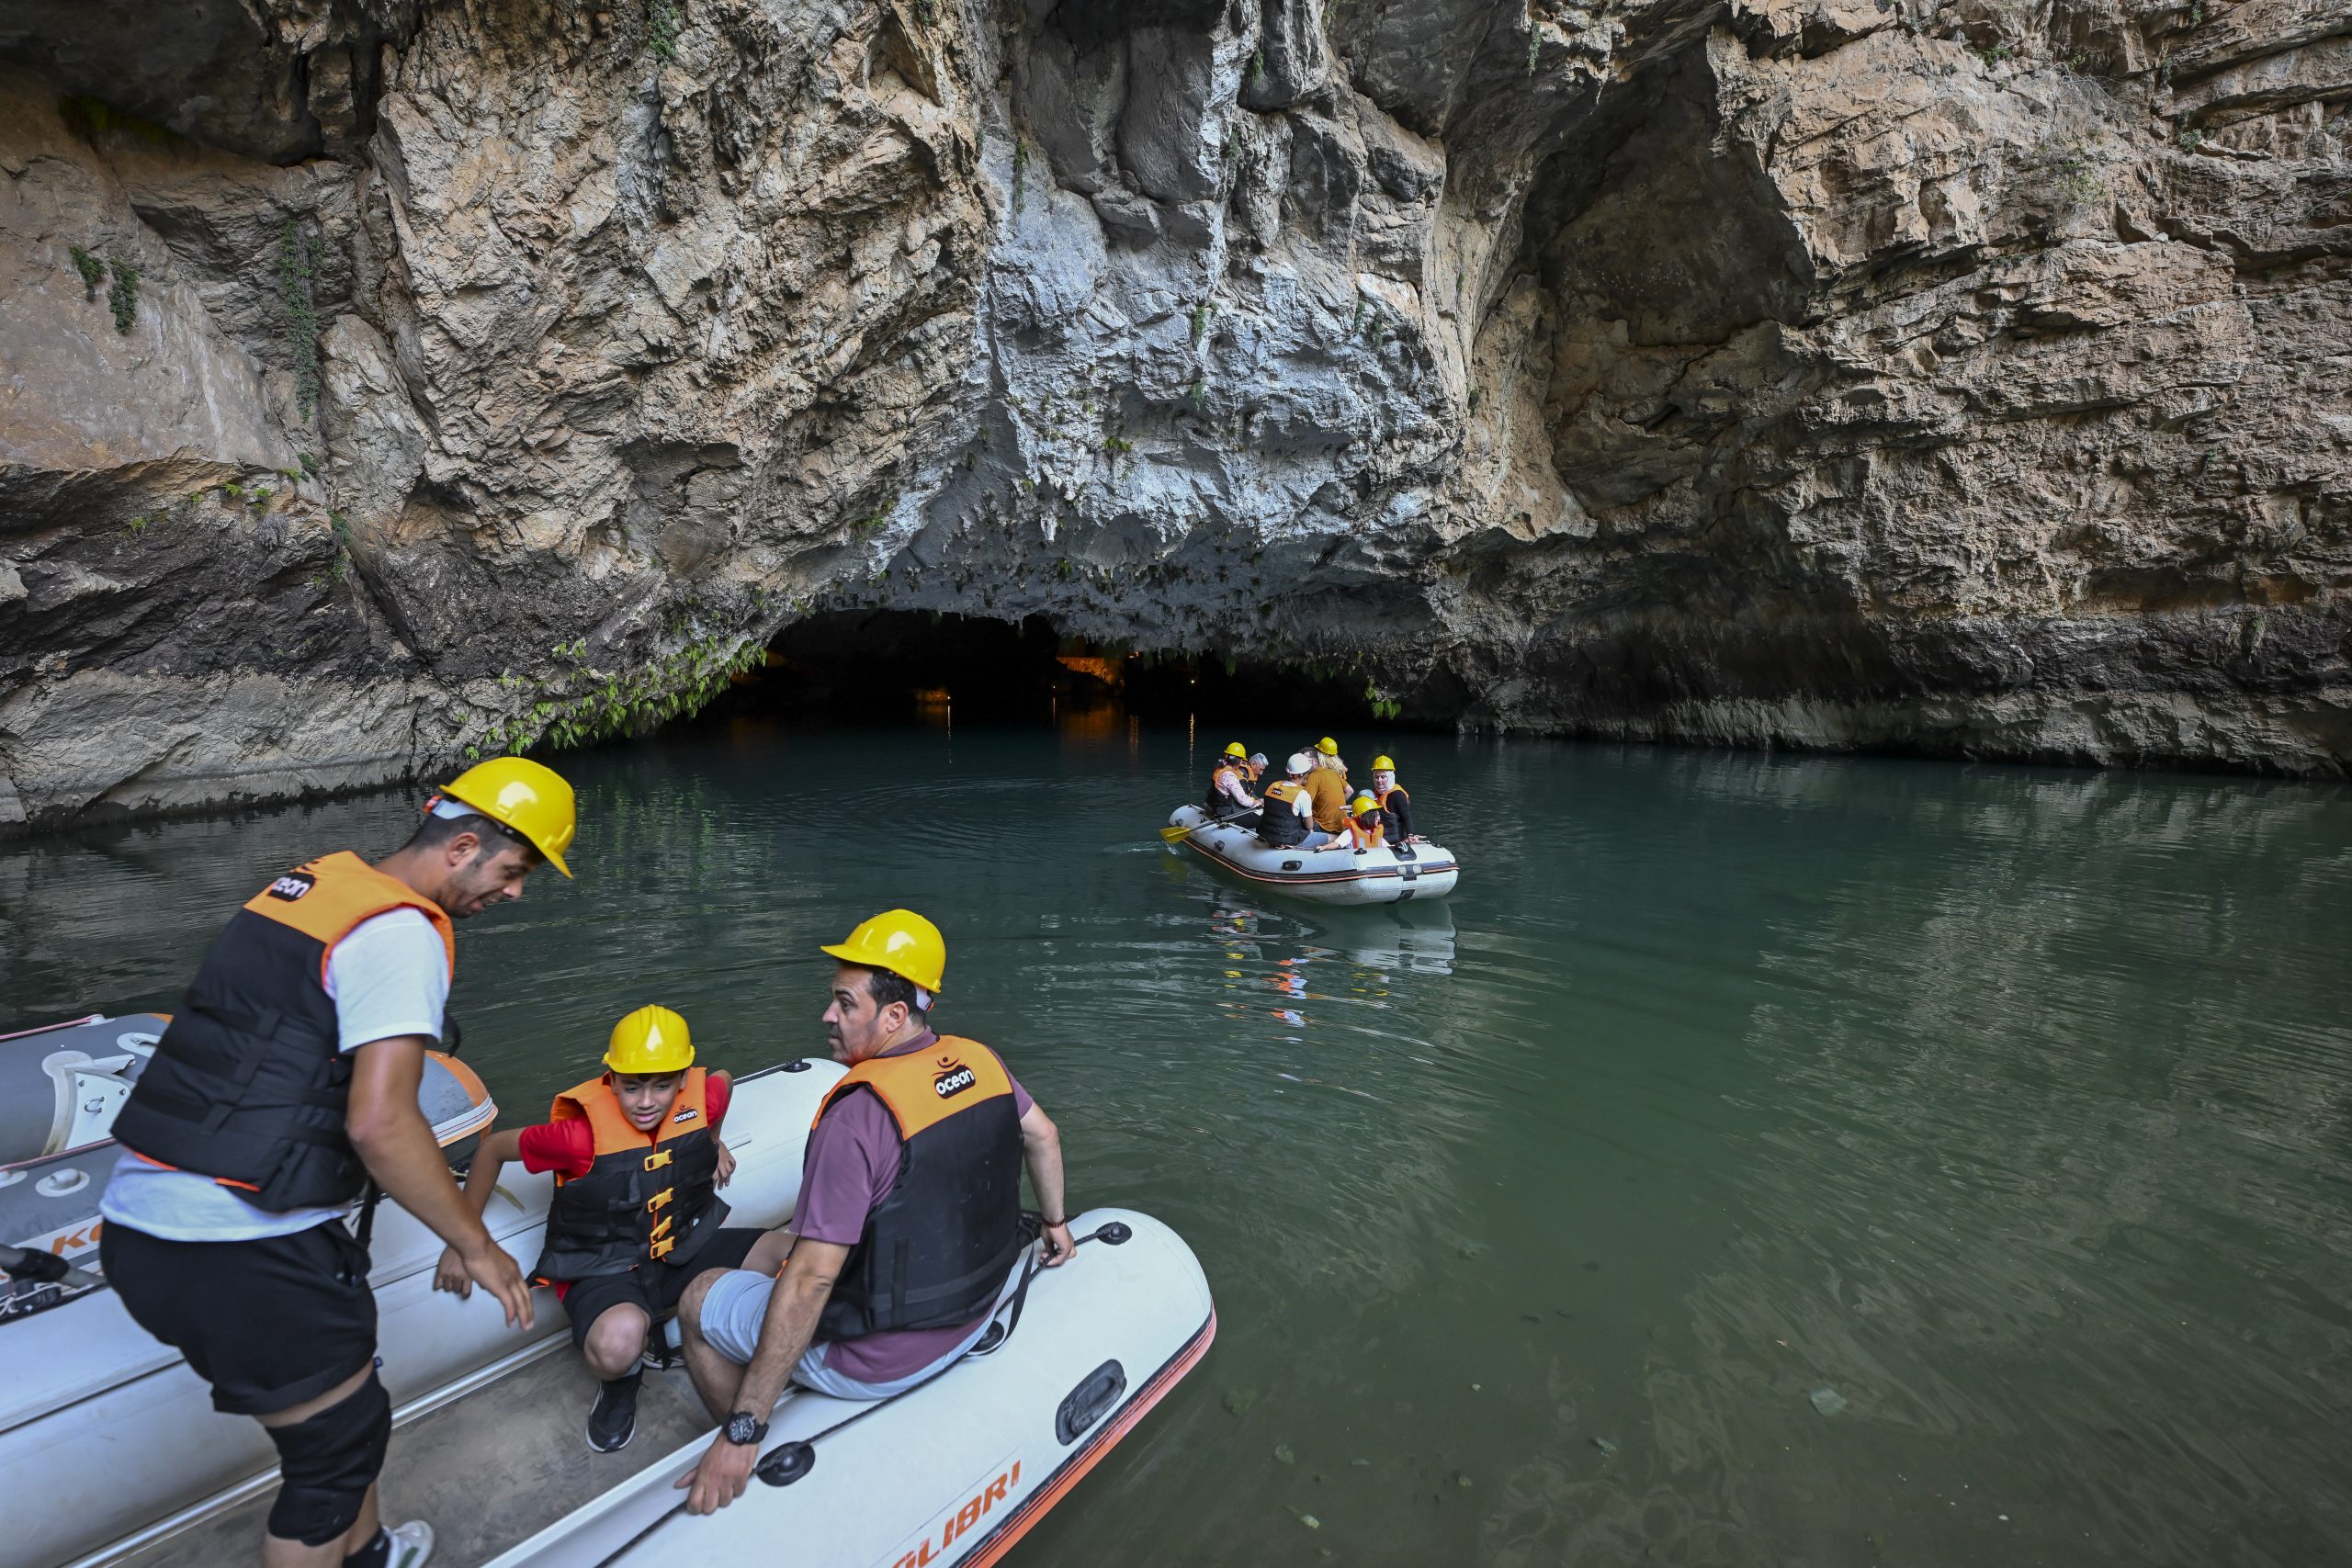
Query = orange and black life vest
x=1280 y=824
x=1368 y=835
x=938 y=1248
x=1400 y=807
x=249 y=1083
x=1218 y=800
x=647 y=1197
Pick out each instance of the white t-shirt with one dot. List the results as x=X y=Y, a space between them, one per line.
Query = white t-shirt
x=389 y=976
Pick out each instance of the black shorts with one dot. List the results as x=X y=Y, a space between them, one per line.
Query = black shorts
x=654 y=1288
x=268 y=1323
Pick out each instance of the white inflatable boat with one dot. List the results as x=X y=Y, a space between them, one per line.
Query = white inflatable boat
x=61 y=1085
x=105 y=1434
x=1335 y=875
x=953 y=1472
x=59 y=1088
x=112 y=1455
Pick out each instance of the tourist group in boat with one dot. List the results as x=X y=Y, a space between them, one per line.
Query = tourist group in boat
x=286 y=1089
x=1309 y=807
x=1308 y=835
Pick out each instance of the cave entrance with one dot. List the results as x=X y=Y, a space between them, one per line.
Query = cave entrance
x=891 y=666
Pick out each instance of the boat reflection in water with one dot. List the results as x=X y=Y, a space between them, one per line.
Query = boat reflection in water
x=1339 y=955
x=1416 y=937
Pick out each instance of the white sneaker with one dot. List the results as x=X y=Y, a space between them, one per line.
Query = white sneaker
x=411 y=1544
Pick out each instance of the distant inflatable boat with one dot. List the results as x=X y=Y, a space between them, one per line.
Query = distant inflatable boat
x=1336 y=875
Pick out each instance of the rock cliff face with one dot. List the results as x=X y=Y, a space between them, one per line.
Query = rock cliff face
x=387 y=378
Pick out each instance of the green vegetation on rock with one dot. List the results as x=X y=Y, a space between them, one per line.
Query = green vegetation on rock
x=299 y=255
x=93 y=271
x=662 y=29
x=585 y=705
x=123 y=297
x=87 y=116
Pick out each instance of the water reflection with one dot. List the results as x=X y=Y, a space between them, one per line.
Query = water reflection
x=2009 y=1107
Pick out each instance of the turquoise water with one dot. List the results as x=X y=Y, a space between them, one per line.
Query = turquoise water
x=1757 y=1160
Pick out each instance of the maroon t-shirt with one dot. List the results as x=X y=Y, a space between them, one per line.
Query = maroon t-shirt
x=852 y=1163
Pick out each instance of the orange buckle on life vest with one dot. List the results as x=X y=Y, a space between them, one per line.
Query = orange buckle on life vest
x=657 y=1159
x=662 y=1229
x=654 y=1204
x=661 y=1248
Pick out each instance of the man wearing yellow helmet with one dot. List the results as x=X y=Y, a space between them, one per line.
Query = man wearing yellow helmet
x=624 y=1241
x=908 y=1234
x=1229 y=783
x=284 y=1087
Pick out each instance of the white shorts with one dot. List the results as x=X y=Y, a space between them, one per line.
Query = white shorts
x=737 y=1303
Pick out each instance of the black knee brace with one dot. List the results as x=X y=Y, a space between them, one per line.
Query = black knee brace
x=327 y=1463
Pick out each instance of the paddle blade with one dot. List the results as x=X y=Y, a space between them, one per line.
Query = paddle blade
x=1173 y=833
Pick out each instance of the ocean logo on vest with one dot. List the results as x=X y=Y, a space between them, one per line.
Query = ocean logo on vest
x=953 y=1079
x=292 y=886
x=688 y=1114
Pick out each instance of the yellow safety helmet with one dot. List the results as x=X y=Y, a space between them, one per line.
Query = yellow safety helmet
x=650 y=1040
x=531 y=799
x=1329 y=747
x=900 y=941
x=1233 y=749
x=1362 y=803
x=1383 y=765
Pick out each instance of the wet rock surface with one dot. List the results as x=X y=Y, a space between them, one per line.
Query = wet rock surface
x=1966 y=378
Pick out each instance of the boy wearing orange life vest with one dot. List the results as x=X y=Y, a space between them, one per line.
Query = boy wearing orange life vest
x=1367 y=824
x=636 y=1217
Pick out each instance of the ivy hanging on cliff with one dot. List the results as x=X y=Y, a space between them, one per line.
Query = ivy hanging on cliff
x=299 y=255
x=678 y=684
x=124 y=296
x=93 y=271
x=342 y=527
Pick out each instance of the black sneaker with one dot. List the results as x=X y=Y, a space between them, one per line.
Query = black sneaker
x=613 y=1422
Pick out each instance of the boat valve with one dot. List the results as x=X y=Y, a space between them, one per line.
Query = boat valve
x=783 y=1466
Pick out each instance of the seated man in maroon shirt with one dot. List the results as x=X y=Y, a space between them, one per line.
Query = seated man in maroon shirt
x=908 y=1235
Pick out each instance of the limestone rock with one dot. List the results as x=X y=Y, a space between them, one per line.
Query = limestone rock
x=1965 y=376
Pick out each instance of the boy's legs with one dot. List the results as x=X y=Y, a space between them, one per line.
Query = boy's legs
x=616 y=1341
x=610 y=1319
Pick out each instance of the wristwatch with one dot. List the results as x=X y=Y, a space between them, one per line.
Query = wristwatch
x=744 y=1427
